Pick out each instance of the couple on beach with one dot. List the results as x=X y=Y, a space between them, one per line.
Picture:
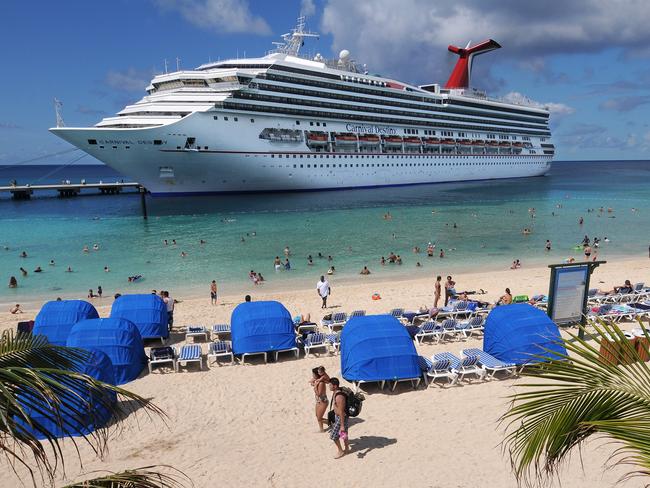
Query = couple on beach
x=338 y=417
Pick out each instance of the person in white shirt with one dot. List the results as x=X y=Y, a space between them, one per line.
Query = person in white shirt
x=169 y=301
x=323 y=289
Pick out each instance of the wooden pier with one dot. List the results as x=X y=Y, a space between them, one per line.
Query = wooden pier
x=67 y=190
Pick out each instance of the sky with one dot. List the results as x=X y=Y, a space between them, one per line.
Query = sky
x=587 y=60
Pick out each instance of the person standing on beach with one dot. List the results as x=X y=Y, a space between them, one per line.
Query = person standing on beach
x=213 y=292
x=169 y=301
x=437 y=291
x=323 y=289
x=319 y=381
x=339 y=429
x=99 y=291
x=449 y=289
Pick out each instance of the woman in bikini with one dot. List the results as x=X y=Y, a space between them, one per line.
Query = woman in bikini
x=319 y=381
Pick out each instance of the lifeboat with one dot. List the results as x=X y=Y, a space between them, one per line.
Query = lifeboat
x=478 y=143
x=504 y=144
x=393 y=140
x=431 y=141
x=368 y=139
x=517 y=144
x=412 y=141
x=345 y=138
x=449 y=142
x=317 y=138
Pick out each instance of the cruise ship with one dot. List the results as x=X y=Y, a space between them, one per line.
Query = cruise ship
x=286 y=122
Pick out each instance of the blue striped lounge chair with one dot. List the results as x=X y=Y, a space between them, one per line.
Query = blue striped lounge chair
x=334 y=340
x=594 y=297
x=461 y=309
x=338 y=320
x=357 y=313
x=397 y=313
x=220 y=349
x=195 y=331
x=449 y=328
x=219 y=330
x=468 y=327
x=428 y=329
x=433 y=370
x=488 y=362
x=162 y=355
x=315 y=341
x=190 y=353
x=463 y=367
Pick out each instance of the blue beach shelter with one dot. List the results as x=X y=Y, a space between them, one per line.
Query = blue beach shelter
x=261 y=327
x=515 y=333
x=119 y=339
x=377 y=348
x=56 y=318
x=148 y=312
x=96 y=409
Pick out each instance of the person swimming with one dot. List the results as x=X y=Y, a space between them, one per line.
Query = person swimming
x=331 y=270
x=95 y=247
x=85 y=249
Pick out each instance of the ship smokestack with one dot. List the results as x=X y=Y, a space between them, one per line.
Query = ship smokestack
x=460 y=76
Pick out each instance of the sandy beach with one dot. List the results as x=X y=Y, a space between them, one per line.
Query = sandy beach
x=254 y=425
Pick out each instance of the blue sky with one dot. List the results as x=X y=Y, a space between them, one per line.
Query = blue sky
x=587 y=59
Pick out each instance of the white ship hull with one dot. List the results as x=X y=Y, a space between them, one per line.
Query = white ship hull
x=230 y=157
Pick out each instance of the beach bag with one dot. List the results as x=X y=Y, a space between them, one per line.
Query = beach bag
x=353 y=403
x=158 y=353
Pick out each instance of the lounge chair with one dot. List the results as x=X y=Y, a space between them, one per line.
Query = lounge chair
x=398 y=313
x=194 y=331
x=334 y=340
x=357 y=313
x=220 y=349
x=428 y=329
x=595 y=297
x=488 y=362
x=436 y=369
x=220 y=329
x=449 y=328
x=338 y=320
x=463 y=367
x=162 y=355
x=190 y=353
x=306 y=327
x=469 y=327
x=315 y=341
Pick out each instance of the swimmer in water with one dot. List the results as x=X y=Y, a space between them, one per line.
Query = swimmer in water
x=165 y=242
x=23 y=271
x=51 y=262
x=69 y=270
x=95 y=247
x=85 y=249
x=183 y=254
x=106 y=269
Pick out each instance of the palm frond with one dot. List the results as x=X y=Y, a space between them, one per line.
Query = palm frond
x=41 y=386
x=578 y=396
x=146 y=477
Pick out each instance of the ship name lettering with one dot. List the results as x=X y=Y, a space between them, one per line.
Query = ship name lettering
x=370 y=129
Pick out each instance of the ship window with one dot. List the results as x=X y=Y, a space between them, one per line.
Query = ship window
x=311 y=123
x=215 y=117
x=324 y=124
x=92 y=142
x=272 y=155
x=225 y=118
x=309 y=166
x=127 y=147
x=236 y=119
x=297 y=122
x=252 y=120
x=157 y=142
x=318 y=124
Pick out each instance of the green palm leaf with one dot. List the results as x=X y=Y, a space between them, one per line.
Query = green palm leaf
x=147 y=477
x=39 y=380
x=578 y=396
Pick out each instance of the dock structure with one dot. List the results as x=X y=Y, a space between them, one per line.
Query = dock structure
x=67 y=190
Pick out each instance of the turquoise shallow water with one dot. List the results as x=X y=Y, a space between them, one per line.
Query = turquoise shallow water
x=347 y=225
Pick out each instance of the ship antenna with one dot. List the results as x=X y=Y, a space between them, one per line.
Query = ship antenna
x=178 y=63
x=165 y=60
x=295 y=39
x=57 y=109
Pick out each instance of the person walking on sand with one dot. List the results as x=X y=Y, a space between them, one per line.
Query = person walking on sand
x=213 y=292
x=339 y=430
x=437 y=291
x=324 y=290
x=319 y=381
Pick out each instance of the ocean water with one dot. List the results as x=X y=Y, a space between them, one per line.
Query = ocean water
x=247 y=232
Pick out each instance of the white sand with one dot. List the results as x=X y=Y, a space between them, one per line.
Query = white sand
x=254 y=425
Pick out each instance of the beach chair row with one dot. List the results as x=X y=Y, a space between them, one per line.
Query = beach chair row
x=450 y=329
x=473 y=362
x=216 y=332
x=639 y=293
x=189 y=354
x=619 y=312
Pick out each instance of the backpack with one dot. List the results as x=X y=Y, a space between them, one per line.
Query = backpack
x=353 y=401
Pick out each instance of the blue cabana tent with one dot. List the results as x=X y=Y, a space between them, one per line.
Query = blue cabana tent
x=97 y=365
x=377 y=348
x=514 y=333
x=261 y=327
x=148 y=312
x=56 y=318
x=119 y=339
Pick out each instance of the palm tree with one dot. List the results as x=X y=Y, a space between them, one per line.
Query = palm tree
x=41 y=386
x=580 y=395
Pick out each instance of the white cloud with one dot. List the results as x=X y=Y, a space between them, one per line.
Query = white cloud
x=410 y=40
x=307 y=7
x=131 y=80
x=220 y=15
x=556 y=109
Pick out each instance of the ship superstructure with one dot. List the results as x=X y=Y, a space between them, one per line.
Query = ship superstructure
x=283 y=122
